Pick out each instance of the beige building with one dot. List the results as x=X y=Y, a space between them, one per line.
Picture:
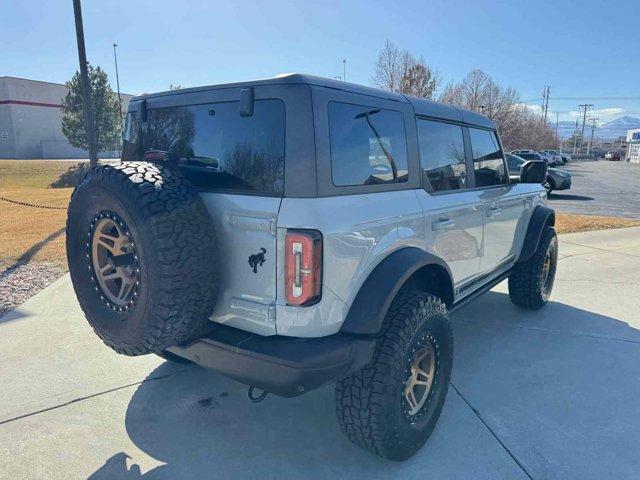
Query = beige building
x=31 y=123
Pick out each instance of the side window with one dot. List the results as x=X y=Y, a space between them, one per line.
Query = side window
x=442 y=155
x=368 y=145
x=215 y=147
x=488 y=164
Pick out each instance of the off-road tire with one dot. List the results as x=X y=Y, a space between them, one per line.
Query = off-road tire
x=370 y=404
x=175 y=255
x=527 y=288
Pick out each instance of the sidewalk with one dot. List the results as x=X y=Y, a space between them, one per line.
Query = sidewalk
x=547 y=394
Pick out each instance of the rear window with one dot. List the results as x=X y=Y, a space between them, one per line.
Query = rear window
x=214 y=146
x=368 y=145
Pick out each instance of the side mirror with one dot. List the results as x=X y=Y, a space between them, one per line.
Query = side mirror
x=533 y=171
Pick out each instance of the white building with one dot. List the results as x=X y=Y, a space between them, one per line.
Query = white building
x=633 y=145
x=31 y=120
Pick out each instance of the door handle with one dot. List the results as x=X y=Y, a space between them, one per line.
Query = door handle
x=443 y=224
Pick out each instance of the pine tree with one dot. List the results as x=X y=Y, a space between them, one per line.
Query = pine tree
x=106 y=111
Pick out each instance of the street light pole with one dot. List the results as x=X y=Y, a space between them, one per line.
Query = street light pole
x=86 y=89
x=115 y=59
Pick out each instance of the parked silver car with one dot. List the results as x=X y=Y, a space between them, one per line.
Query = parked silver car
x=297 y=231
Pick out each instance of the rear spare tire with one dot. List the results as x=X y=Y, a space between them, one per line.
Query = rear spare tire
x=141 y=254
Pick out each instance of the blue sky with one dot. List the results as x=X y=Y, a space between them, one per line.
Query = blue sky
x=581 y=49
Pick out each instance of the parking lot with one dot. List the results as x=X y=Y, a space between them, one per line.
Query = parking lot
x=600 y=188
x=547 y=394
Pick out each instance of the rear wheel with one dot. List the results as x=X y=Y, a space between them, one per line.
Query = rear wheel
x=391 y=406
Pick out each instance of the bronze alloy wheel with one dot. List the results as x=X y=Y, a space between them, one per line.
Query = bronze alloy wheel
x=113 y=261
x=421 y=373
x=546 y=279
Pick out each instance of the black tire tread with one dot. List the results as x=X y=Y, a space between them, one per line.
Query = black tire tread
x=361 y=397
x=524 y=287
x=182 y=233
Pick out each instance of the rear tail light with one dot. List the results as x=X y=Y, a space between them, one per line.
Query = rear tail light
x=303 y=267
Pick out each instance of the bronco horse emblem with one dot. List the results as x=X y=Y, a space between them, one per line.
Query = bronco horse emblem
x=257 y=260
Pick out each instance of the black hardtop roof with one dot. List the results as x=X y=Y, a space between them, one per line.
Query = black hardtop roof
x=421 y=106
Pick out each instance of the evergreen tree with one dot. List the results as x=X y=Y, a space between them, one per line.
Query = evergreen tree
x=106 y=111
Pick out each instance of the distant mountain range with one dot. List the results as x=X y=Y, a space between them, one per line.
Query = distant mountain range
x=610 y=130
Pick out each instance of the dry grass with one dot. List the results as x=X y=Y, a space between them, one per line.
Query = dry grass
x=571 y=223
x=30 y=233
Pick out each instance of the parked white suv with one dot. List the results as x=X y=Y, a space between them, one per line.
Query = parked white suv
x=298 y=231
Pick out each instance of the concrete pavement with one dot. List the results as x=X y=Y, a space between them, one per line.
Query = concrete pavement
x=548 y=394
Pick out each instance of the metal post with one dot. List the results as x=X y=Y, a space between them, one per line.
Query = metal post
x=593 y=127
x=344 y=69
x=115 y=59
x=584 y=119
x=86 y=88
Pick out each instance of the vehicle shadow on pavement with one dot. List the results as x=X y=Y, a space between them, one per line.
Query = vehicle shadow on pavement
x=543 y=382
x=566 y=196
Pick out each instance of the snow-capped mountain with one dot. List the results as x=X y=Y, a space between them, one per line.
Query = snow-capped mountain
x=609 y=130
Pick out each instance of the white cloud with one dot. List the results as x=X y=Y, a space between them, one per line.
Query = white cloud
x=603 y=115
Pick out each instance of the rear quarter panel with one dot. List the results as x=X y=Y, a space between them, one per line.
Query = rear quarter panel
x=358 y=232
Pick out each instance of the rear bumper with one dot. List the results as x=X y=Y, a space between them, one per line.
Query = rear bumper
x=285 y=366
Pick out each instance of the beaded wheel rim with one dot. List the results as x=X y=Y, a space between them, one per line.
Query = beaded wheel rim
x=113 y=261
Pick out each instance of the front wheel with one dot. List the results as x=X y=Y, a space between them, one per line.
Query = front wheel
x=391 y=406
x=531 y=282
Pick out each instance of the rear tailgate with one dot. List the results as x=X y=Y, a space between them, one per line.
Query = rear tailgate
x=247 y=269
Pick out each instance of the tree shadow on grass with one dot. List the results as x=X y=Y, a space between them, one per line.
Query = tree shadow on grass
x=72 y=176
x=29 y=254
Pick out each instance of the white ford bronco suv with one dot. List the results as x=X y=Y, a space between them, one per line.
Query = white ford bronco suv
x=298 y=231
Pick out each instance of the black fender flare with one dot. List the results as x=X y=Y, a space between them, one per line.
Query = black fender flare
x=376 y=294
x=541 y=217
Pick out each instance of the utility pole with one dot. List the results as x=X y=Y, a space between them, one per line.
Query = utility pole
x=344 y=69
x=586 y=106
x=86 y=92
x=593 y=127
x=575 y=136
x=115 y=59
x=557 y=116
x=545 y=103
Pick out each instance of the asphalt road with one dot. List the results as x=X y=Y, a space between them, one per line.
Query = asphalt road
x=600 y=188
x=535 y=395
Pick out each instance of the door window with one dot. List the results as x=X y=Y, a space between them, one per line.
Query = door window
x=368 y=145
x=488 y=162
x=442 y=155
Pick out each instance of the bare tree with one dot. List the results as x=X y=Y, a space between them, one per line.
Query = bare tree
x=388 y=70
x=517 y=124
x=399 y=71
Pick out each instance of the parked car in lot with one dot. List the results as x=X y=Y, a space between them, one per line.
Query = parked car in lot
x=557 y=179
x=550 y=159
x=561 y=158
x=612 y=156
